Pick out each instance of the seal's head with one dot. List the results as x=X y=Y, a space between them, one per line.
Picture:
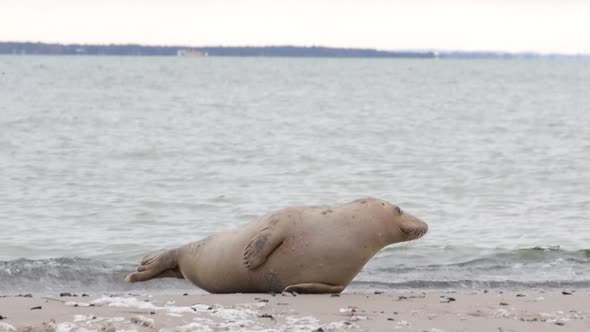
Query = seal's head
x=400 y=225
x=411 y=227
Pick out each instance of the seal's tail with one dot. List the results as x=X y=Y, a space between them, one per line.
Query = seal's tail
x=158 y=265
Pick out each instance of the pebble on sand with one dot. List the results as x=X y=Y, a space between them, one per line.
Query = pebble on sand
x=445 y=299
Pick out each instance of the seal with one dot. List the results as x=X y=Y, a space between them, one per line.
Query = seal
x=304 y=250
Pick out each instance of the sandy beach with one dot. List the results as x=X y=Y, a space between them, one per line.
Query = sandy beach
x=433 y=312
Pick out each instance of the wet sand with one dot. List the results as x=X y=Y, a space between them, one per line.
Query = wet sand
x=432 y=312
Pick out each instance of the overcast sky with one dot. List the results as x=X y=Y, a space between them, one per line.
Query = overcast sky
x=520 y=25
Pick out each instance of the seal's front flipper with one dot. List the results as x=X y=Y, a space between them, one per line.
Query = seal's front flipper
x=156 y=266
x=261 y=246
x=314 y=288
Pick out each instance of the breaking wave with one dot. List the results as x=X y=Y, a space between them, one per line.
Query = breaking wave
x=396 y=268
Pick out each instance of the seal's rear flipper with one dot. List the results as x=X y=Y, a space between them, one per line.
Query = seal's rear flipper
x=261 y=246
x=314 y=288
x=159 y=265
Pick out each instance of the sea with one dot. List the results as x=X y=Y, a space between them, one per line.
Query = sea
x=104 y=159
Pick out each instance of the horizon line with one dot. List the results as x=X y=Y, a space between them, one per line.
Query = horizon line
x=253 y=46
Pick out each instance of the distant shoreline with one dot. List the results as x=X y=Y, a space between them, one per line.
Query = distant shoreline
x=37 y=48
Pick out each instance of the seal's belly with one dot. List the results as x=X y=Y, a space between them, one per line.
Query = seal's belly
x=303 y=259
x=297 y=260
x=310 y=253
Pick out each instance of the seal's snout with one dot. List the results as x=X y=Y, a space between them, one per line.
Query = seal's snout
x=414 y=229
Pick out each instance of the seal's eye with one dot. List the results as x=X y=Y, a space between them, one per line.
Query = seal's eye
x=398 y=210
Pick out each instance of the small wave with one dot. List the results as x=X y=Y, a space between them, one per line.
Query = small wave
x=55 y=275
x=471 y=256
x=476 y=268
x=430 y=268
x=531 y=255
x=439 y=285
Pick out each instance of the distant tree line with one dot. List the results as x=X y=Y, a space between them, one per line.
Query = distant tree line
x=81 y=49
x=134 y=49
x=314 y=51
x=252 y=51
